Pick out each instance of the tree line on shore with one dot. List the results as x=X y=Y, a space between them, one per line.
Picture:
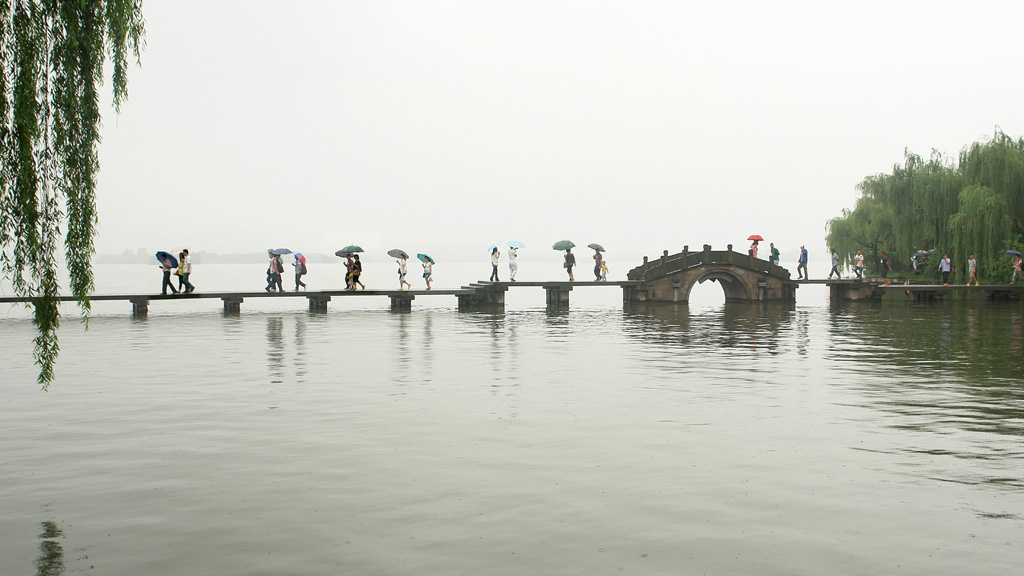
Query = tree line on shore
x=974 y=205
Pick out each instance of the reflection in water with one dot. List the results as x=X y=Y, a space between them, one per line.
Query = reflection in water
x=51 y=553
x=736 y=327
x=403 y=359
x=946 y=375
x=275 y=348
x=300 y=347
x=426 y=363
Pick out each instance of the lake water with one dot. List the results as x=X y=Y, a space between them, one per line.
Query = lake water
x=870 y=438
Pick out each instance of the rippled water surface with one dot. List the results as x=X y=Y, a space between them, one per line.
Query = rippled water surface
x=711 y=438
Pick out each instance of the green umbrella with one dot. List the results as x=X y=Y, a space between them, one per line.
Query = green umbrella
x=424 y=258
x=562 y=245
x=350 y=248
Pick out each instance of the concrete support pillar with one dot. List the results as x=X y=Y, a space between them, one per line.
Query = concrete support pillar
x=490 y=296
x=232 y=304
x=853 y=291
x=140 y=306
x=318 y=302
x=401 y=302
x=557 y=295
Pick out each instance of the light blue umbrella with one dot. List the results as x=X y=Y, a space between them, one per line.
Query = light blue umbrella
x=516 y=244
x=493 y=246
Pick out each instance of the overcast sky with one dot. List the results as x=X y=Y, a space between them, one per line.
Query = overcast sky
x=444 y=126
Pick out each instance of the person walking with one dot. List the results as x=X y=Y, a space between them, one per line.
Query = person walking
x=401 y=273
x=858 y=265
x=604 y=270
x=753 y=249
x=186 y=270
x=835 y=266
x=884 y=261
x=494 y=264
x=179 y=272
x=945 y=267
x=271 y=270
x=597 y=265
x=357 y=271
x=350 y=264
x=774 y=258
x=428 y=272
x=300 y=271
x=1018 y=269
x=972 y=271
x=278 y=272
x=513 y=266
x=167 y=267
x=801 y=264
x=570 y=261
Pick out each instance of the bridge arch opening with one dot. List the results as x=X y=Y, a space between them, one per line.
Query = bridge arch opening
x=732 y=288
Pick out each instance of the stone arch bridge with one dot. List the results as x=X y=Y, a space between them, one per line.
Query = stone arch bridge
x=742 y=277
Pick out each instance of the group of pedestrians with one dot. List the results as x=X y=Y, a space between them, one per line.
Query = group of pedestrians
x=945 y=267
x=183 y=270
x=428 y=270
x=600 y=265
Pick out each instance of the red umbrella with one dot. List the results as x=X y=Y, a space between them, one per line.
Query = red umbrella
x=755 y=237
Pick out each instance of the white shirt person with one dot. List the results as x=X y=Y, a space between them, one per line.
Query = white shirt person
x=513 y=267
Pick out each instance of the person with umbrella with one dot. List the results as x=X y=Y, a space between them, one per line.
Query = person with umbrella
x=1018 y=268
x=401 y=259
x=274 y=272
x=167 y=263
x=428 y=268
x=349 y=266
x=753 y=247
x=495 y=256
x=513 y=265
x=597 y=263
x=570 y=261
x=300 y=270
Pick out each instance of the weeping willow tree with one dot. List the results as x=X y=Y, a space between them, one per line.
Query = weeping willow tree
x=976 y=206
x=979 y=227
x=868 y=227
x=52 y=54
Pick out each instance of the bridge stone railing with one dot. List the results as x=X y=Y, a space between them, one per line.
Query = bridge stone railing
x=675 y=263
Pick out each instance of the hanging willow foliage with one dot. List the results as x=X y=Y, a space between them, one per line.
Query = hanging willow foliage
x=52 y=54
x=975 y=207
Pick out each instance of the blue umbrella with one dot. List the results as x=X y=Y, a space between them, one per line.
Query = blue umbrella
x=424 y=258
x=1015 y=253
x=493 y=246
x=516 y=244
x=161 y=255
